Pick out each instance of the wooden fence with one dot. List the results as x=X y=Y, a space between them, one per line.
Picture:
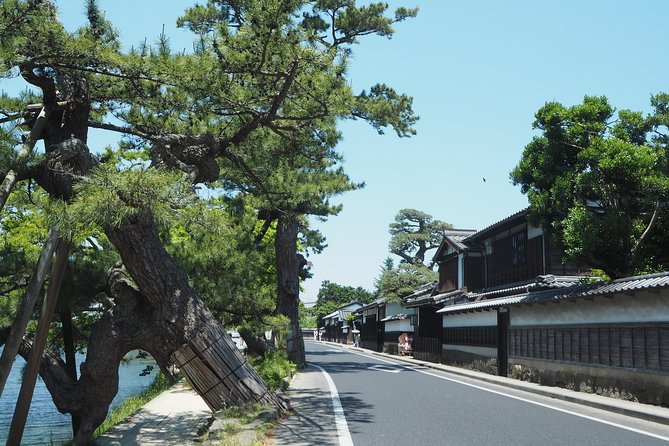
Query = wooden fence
x=630 y=346
x=427 y=349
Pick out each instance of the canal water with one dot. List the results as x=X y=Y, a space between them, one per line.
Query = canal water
x=45 y=425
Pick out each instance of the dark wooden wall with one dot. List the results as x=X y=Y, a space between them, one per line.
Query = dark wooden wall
x=369 y=333
x=448 y=275
x=630 y=346
x=429 y=322
x=474 y=276
x=514 y=259
x=479 y=336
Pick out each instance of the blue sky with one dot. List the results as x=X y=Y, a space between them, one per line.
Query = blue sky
x=478 y=71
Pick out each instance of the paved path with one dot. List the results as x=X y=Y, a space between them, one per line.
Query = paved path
x=172 y=418
x=355 y=376
x=312 y=422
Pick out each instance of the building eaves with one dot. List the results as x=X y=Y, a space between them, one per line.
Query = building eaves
x=395 y=317
x=444 y=297
x=331 y=315
x=628 y=284
x=539 y=283
x=497 y=224
x=377 y=303
x=453 y=238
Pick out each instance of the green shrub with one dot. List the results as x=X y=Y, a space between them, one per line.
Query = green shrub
x=274 y=368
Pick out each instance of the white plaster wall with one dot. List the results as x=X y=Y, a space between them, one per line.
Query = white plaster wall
x=461 y=270
x=533 y=231
x=395 y=309
x=480 y=319
x=641 y=307
x=402 y=325
x=482 y=351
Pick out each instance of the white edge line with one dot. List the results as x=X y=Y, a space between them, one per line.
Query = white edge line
x=340 y=418
x=588 y=417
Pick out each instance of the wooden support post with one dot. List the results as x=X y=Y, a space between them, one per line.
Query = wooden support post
x=18 y=327
x=30 y=374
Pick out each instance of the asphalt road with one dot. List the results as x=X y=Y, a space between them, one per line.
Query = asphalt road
x=389 y=403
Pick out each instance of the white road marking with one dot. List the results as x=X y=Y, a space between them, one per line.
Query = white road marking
x=580 y=415
x=384 y=368
x=340 y=418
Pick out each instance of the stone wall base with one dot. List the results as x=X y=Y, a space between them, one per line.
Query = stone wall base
x=632 y=385
x=469 y=361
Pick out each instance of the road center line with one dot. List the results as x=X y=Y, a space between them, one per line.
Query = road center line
x=340 y=418
x=569 y=412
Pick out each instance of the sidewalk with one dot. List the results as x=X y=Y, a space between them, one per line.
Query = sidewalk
x=638 y=410
x=173 y=417
x=312 y=421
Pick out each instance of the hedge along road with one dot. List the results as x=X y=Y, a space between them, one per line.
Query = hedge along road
x=386 y=402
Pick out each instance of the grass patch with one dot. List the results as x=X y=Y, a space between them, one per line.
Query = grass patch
x=133 y=404
x=246 y=425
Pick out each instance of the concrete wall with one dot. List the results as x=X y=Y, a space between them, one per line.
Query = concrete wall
x=489 y=352
x=637 y=308
x=403 y=325
x=482 y=319
x=649 y=388
x=396 y=309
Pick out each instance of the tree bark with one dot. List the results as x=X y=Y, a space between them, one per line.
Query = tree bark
x=70 y=353
x=187 y=326
x=288 y=287
x=156 y=311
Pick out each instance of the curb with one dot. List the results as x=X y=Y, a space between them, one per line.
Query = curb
x=646 y=412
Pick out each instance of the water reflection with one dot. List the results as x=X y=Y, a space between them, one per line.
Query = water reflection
x=45 y=424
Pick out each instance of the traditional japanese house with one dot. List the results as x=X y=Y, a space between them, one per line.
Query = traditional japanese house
x=398 y=320
x=427 y=323
x=612 y=336
x=497 y=261
x=371 y=327
x=336 y=329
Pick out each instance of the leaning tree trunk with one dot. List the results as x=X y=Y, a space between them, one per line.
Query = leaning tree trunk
x=161 y=314
x=157 y=312
x=205 y=352
x=288 y=289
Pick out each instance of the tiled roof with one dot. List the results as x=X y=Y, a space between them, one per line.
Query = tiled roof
x=539 y=283
x=628 y=284
x=421 y=291
x=443 y=297
x=395 y=317
x=453 y=237
x=374 y=304
x=333 y=314
x=456 y=236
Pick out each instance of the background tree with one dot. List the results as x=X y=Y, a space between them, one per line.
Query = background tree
x=413 y=234
x=332 y=295
x=396 y=283
x=598 y=182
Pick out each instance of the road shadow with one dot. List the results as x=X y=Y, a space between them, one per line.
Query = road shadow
x=312 y=421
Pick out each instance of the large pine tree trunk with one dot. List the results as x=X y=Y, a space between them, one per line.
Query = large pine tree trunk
x=288 y=290
x=205 y=352
x=156 y=311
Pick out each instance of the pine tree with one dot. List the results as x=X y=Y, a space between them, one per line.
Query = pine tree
x=261 y=85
